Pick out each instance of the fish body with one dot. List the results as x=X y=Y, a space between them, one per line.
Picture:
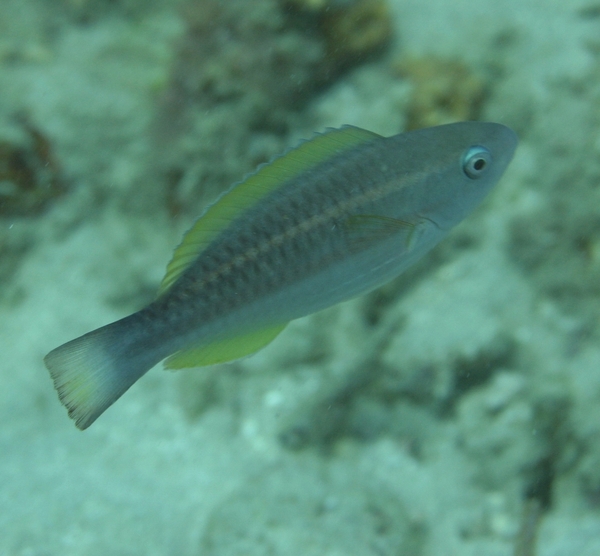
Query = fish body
x=335 y=217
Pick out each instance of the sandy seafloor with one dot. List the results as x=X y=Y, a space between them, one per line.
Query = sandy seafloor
x=485 y=395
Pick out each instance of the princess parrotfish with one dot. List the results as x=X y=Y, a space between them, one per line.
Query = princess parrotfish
x=331 y=219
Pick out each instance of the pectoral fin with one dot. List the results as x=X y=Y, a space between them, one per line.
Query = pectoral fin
x=365 y=229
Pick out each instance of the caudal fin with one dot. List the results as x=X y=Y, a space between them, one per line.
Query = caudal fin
x=91 y=372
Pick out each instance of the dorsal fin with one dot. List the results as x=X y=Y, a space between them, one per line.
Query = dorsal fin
x=268 y=177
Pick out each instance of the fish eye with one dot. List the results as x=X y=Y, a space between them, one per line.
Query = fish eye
x=476 y=161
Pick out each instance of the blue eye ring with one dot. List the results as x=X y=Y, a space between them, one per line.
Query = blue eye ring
x=476 y=161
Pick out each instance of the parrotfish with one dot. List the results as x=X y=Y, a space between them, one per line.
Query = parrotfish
x=333 y=218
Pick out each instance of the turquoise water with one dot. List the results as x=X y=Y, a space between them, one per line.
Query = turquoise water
x=452 y=412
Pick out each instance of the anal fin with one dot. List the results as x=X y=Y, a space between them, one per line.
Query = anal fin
x=223 y=351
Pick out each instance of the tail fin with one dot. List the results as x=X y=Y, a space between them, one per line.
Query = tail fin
x=90 y=373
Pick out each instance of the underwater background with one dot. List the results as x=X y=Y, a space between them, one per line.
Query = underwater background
x=453 y=412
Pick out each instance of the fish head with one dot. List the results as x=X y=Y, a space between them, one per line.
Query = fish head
x=459 y=164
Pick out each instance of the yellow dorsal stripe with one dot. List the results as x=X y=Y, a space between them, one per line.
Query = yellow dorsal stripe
x=254 y=187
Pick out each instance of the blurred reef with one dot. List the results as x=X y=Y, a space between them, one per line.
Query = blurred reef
x=242 y=75
x=556 y=239
x=455 y=410
x=30 y=175
x=443 y=91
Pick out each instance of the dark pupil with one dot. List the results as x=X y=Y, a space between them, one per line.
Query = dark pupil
x=479 y=164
